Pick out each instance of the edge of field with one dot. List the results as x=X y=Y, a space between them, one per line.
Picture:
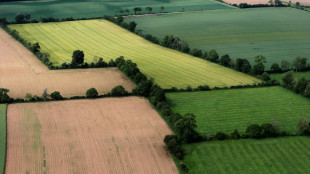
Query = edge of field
x=3 y=135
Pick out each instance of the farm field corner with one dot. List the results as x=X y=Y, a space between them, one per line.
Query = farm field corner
x=2 y=136
x=23 y=73
x=227 y=110
x=110 y=135
x=168 y=67
x=276 y=155
x=277 y=33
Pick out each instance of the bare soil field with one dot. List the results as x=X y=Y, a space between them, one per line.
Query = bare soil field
x=110 y=135
x=21 y=72
x=303 y=2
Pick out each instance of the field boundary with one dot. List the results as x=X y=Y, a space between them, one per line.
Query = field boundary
x=5 y=139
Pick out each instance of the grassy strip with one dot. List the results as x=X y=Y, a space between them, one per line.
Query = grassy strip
x=2 y=136
x=276 y=155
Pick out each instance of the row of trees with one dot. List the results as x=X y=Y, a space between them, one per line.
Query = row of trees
x=298 y=64
x=271 y=3
x=300 y=86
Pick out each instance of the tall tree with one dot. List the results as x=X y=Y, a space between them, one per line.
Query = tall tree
x=148 y=9
x=136 y=9
x=162 y=8
x=77 y=57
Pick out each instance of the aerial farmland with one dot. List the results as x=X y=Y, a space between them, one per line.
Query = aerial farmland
x=154 y=86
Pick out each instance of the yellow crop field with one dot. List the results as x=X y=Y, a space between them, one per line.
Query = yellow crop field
x=101 y=38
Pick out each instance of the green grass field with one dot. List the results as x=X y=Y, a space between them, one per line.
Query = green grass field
x=2 y=136
x=227 y=110
x=95 y=8
x=168 y=67
x=277 y=155
x=298 y=75
x=277 y=33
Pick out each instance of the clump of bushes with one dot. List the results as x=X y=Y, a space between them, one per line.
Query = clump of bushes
x=119 y=91
x=91 y=93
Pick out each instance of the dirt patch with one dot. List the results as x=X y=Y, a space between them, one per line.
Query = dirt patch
x=111 y=135
x=22 y=73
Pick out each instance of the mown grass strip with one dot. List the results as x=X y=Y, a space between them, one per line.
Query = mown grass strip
x=277 y=155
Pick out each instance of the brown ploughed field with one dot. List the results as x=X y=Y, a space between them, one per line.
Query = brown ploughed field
x=21 y=72
x=252 y=2
x=110 y=135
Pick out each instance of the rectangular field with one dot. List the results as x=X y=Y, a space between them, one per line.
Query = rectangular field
x=227 y=110
x=2 y=136
x=111 y=135
x=277 y=33
x=168 y=67
x=22 y=73
x=96 y=8
x=278 y=155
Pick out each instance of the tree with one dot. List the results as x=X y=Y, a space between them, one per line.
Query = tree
x=235 y=135
x=266 y=77
x=297 y=4
x=300 y=63
x=127 y=10
x=277 y=3
x=196 y=52
x=275 y=67
x=118 y=91
x=148 y=9
x=56 y=95
x=301 y=85
x=137 y=9
x=173 y=145
x=285 y=65
x=225 y=60
x=254 y=131
x=4 y=97
x=92 y=93
x=143 y=88
x=45 y=95
x=213 y=56
x=270 y=2
x=27 y=16
x=20 y=18
x=132 y=26
x=268 y=130
x=220 y=136
x=258 y=69
x=162 y=8
x=289 y=80
x=77 y=57
x=243 y=65
x=3 y=22
x=121 y=11
x=303 y=126
x=260 y=59
x=35 y=47
x=184 y=47
x=185 y=127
